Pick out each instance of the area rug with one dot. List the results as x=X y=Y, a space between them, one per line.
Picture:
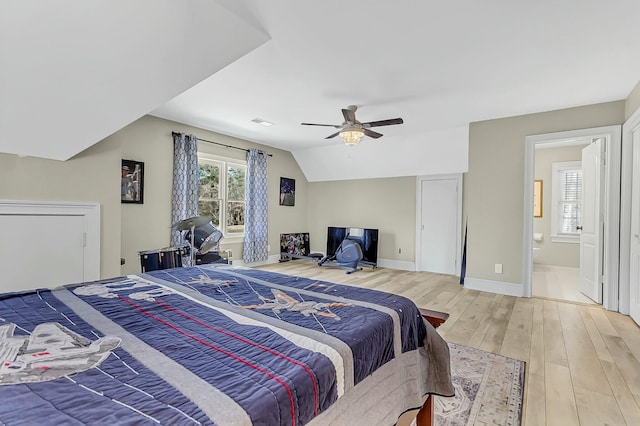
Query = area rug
x=489 y=389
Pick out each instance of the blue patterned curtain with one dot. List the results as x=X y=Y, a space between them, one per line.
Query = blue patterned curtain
x=255 y=226
x=186 y=182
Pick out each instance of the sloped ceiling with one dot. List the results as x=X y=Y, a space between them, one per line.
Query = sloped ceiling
x=81 y=70
x=74 y=72
x=439 y=65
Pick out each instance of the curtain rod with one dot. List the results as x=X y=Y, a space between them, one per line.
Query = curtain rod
x=222 y=144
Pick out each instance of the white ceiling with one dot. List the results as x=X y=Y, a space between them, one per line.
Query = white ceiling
x=439 y=65
x=73 y=72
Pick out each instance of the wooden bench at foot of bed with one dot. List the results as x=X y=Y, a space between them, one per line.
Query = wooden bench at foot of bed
x=435 y=318
x=425 y=415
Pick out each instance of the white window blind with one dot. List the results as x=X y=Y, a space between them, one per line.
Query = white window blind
x=566 y=201
x=570 y=200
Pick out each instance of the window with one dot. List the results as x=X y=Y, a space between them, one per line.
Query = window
x=222 y=193
x=566 y=203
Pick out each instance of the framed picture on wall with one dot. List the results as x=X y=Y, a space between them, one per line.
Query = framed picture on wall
x=537 y=198
x=287 y=191
x=132 y=182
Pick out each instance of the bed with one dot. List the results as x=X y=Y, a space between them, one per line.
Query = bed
x=215 y=345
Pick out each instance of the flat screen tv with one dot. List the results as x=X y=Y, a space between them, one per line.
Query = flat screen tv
x=366 y=238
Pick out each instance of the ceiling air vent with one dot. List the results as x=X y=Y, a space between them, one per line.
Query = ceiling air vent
x=261 y=121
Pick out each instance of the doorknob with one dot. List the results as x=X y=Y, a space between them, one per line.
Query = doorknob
x=578 y=228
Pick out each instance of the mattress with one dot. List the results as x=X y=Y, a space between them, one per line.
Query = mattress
x=215 y=345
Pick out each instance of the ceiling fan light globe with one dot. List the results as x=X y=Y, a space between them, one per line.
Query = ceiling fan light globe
x=352 y=137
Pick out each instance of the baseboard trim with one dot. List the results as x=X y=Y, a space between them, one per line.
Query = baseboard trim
x=397 y=264
x=500 y=287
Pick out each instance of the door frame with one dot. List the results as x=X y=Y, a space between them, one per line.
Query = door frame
x=628 y=127
x=90 y=211
x=419 y=179
x=610 y=271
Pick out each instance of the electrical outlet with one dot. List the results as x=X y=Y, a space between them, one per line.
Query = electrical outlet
x=498 y=268
x=268 y=247
x=399 y=251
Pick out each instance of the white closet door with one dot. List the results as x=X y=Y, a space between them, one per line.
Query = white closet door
x=41 y=251
x=439 y=225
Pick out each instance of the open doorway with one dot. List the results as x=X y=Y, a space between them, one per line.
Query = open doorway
x=558 y=209
x=603 y=221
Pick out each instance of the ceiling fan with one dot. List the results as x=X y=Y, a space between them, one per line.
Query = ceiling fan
x=352 y=131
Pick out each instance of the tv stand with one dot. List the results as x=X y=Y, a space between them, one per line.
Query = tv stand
x=285 y=257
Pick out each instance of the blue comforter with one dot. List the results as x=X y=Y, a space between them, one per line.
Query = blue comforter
x=195 y=346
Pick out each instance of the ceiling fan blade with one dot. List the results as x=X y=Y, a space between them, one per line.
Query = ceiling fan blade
x=349 y=115
x=333 y=135
x=383 y=122
x=325 y=125
x=371 y=133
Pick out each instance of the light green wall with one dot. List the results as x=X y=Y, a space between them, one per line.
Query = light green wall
x=493 y=187
x=633 y=101
x=553 y=253
x=387 y=204
x=91 y=176
x=146 y=226
x=492 y=190
x=127 y=229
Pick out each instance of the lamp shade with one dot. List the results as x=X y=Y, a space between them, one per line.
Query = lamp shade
x=352 y=136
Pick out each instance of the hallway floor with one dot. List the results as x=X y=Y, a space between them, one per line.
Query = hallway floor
x=558 y=282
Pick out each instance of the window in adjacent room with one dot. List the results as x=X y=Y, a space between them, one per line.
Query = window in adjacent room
x=222 y=193
x=566 y=201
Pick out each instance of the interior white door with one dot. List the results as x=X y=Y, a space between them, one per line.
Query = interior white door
x=439 y=217
x=634 y=271
x=591 y=234
x=41 y=251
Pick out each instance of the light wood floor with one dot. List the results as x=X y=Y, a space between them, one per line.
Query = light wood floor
x=583 y=362
x=558 y=282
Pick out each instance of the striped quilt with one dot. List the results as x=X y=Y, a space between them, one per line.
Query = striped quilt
x=205 y=345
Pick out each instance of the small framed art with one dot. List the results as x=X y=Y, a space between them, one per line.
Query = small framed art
x=287 y=191
x=132 y=182
x=537 y=198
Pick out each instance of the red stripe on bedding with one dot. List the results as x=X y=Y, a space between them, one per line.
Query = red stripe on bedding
x=257 y=345
x=202 y=342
